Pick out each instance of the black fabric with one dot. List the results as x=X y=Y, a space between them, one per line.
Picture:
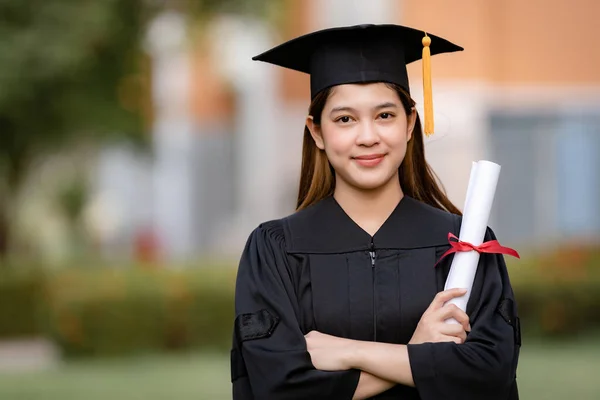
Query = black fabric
x=238 y=369
x=314 y=271
x=327 y=229
x=508 y=311
x=250 y=326
x=355 y=54
x=256 y=325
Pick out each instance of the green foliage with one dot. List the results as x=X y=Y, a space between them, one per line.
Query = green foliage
x=20 y=302
x=75 y=71
x=61 y=67
x=134 y=309
x=72 y=68
x=70 y=71
x=200 y=9
x=558 y=293
x=72 y=198
x=122 y=311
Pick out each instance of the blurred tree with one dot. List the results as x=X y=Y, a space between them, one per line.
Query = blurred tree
x=69 y=71
x=74 y=71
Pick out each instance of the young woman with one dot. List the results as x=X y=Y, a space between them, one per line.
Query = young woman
x=343 y=299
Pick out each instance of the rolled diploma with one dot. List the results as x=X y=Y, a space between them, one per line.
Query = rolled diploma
x=470 y=186
x=478 y=204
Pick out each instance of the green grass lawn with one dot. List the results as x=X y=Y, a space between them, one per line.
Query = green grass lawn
x=172 y=377
x=546 y=371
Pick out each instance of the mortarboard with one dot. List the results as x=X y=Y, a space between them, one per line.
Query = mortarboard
x=361 y=54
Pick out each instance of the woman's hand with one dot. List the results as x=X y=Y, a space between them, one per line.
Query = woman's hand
x=328 y=353
x=432 y=328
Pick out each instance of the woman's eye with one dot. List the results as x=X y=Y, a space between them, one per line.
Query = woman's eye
x=385 y=115
x=345 y=119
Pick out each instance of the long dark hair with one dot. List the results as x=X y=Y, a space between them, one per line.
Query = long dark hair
x=417 y=179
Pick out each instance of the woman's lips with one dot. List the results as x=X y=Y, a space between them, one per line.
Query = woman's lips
x=369 y=160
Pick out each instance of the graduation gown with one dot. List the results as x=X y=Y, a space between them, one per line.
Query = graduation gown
x=318 y=270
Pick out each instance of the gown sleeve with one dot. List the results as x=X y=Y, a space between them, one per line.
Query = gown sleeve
x=484 y=366
x=269 y=355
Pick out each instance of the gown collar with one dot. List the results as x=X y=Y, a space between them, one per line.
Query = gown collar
x=326 y=228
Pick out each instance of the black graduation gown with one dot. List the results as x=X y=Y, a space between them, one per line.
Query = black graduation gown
x=318 y=270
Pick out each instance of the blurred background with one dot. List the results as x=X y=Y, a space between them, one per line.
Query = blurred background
x=140 y=145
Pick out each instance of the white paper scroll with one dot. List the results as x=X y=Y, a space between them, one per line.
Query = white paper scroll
x=470 y=187
x=476 y=213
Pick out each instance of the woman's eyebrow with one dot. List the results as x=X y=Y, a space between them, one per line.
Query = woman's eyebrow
x=342 y=108
x=387 y=104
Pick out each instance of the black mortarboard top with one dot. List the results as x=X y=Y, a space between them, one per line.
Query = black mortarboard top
x=360 y=54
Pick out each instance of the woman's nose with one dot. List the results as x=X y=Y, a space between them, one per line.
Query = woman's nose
x=367 y=135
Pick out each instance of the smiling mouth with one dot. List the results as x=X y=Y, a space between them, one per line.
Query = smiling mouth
x=370 y=157
x=369 y=160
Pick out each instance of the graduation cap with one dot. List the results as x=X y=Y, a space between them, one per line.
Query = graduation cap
x=361 y=54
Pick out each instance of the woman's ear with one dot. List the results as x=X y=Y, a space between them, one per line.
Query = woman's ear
x=315 y=132
x=412 y=121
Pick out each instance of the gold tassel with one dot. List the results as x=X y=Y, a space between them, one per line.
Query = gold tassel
x=427 y=92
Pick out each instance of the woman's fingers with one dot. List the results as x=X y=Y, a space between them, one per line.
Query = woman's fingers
x=432 y=326
x=453 y=330
x=452 y=311
x=449 y=338
x=442 y=297
x=457 y=340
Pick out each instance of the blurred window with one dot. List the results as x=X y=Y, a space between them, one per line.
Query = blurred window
x=550 y=181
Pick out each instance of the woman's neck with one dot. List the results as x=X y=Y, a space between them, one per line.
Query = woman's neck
x=369 y=208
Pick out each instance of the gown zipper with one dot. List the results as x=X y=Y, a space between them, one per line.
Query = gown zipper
x=373 y=256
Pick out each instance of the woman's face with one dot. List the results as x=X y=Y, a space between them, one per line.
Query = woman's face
x=364 y=131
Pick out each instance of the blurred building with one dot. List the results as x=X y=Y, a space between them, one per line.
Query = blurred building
x=525 y=93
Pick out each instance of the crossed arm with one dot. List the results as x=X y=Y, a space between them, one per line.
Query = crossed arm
x=384 y=365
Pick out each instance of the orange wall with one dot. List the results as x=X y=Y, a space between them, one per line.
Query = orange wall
x=295 y=85
x=211 y=100
x=469 y=32
x=513 y=41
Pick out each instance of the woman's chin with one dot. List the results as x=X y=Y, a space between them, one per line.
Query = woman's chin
x=369 y=182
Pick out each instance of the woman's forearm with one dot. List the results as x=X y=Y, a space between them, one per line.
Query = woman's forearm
x=386 y=361
x=370 y=385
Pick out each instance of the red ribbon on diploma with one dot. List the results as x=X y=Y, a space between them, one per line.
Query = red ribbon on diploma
x=493 y=246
